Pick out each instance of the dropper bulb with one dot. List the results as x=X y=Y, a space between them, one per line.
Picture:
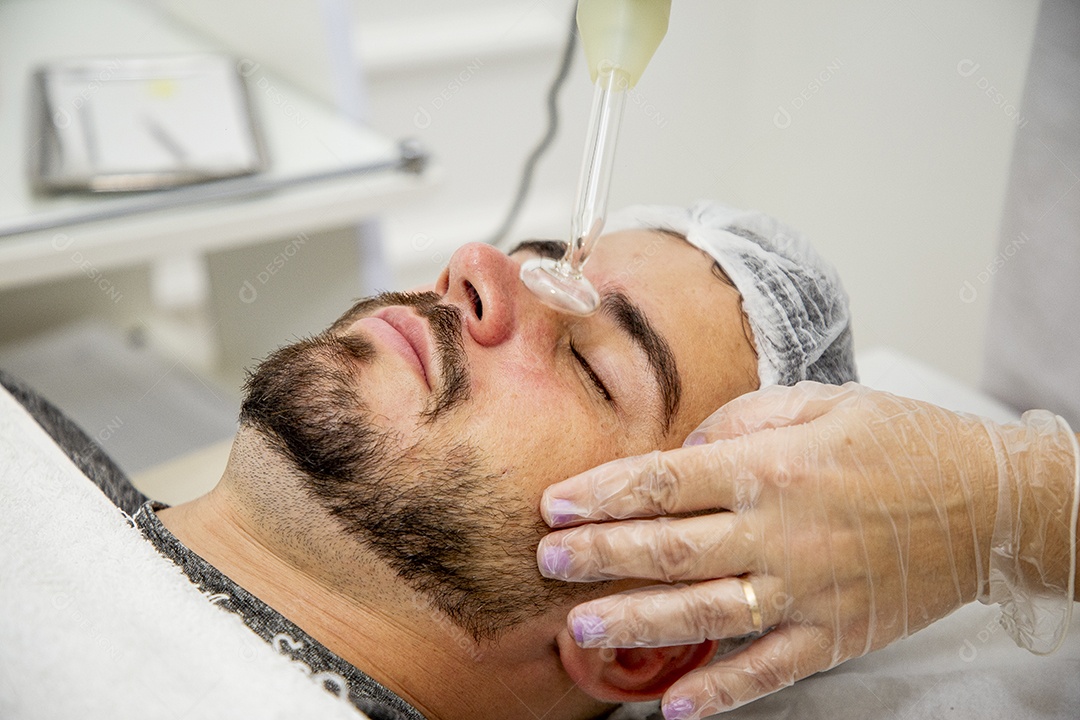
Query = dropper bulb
x=621 y=33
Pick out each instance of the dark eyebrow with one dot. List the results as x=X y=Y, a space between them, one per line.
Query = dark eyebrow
x=632 y=321
x=553 y=249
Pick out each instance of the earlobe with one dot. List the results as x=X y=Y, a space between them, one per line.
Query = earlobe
x=630 y=674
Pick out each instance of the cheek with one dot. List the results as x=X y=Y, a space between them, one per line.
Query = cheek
x=534 y=428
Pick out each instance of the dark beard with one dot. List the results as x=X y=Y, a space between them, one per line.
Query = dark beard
x=450 y=527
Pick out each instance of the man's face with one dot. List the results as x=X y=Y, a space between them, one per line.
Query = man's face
x=429 y=424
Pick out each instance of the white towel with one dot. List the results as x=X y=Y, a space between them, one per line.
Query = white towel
x=95 y=623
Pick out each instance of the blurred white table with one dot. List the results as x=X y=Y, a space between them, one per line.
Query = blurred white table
x=325 y=171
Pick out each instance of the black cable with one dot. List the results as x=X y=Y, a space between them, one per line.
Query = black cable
x=549 y=135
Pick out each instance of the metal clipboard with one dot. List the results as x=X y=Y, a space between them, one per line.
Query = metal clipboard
x=128 y=124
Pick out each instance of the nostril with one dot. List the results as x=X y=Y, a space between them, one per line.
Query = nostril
x=478 y=306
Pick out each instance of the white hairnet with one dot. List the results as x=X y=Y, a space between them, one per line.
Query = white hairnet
x=792 y=297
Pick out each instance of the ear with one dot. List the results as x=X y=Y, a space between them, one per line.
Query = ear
x=630 y=674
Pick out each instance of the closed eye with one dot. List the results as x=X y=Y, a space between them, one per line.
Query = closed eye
x=601 y=389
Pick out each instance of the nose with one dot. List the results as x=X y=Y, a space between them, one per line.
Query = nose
x=483 y=282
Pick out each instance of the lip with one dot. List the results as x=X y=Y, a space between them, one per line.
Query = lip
x=407 y=333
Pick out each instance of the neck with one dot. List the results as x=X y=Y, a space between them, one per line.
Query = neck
x=386 y=630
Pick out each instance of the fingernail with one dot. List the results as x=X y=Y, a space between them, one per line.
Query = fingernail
x=554 y=562
x=589 y=630
x=679 y=709
x=694 y=439
x=563 y=511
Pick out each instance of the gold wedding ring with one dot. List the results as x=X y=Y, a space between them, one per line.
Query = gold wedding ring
x=752 y=603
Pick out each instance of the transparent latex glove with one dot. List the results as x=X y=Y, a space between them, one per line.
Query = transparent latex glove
x=855 y=517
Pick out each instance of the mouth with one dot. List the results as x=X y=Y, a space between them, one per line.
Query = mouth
x=409 y=334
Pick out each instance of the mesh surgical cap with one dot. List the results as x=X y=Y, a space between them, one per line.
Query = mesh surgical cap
x=792 y=297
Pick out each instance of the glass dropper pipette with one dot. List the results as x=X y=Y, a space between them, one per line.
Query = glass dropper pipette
x=619 y=38
x=560 y=283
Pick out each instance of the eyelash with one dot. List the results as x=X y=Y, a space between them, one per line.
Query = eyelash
x=596 y=381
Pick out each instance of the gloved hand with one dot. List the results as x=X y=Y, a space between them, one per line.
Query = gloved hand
x=830 y=521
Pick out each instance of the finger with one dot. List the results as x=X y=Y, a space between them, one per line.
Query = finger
x=663 y=615
x=768 y=664
x=772 y=407
x=659 y=483
x=666 y=549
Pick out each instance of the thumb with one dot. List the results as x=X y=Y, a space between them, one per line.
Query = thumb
x=772 y=407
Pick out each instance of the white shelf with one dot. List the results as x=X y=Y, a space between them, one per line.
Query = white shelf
x=325 y=170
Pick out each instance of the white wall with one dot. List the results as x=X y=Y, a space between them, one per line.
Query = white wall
x=858 y=122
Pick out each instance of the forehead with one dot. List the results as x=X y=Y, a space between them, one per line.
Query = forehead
x=698 y=314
